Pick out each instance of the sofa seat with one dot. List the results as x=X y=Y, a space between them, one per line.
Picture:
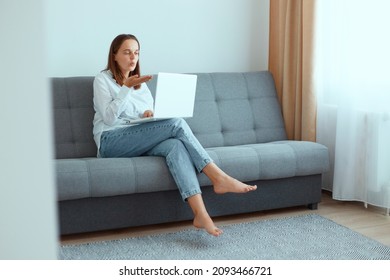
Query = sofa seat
x=97 y=177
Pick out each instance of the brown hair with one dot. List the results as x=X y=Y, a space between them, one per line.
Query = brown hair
x=112 y=64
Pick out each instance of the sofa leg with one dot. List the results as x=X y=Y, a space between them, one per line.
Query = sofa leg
x=312 y=206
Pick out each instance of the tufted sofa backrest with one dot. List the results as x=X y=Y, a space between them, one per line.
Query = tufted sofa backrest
x=73 y=116
x=230 y=109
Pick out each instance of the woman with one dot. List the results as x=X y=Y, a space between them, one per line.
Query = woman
x=120 y=92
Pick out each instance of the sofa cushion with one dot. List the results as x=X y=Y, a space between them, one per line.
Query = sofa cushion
x=267 y=161
x=92 y=177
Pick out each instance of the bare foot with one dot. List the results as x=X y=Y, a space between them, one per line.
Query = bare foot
x=204 y=221
x=223 y=183
x=229 y=184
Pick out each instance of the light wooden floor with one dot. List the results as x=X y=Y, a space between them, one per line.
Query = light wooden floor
x=372 y=221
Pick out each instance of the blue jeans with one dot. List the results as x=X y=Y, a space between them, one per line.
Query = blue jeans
x=172 y=139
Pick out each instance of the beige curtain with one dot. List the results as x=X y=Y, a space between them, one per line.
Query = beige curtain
x=290 y=62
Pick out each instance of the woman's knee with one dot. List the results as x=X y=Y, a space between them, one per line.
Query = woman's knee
x=181 y=125
x=178 y=122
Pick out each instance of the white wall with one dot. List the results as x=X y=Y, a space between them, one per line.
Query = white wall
x=28 y=226
x=175 y=35
x=71 y=38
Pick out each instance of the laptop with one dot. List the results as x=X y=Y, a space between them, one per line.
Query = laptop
x=175 y=97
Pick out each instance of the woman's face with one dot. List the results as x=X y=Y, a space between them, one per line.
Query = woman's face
x=127 y=56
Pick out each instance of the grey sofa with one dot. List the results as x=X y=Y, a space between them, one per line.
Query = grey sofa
x=238 y=120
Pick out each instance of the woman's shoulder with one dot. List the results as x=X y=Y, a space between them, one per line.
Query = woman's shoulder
x=105 y=74
x=105 y=77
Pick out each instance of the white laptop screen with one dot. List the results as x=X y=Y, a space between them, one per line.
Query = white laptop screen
x=175 y=95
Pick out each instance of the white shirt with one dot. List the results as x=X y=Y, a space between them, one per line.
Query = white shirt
x=113 y=102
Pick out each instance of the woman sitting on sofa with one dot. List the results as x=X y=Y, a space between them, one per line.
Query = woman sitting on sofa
x=120 y=92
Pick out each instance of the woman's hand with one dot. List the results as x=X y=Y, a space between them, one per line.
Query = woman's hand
x=135 y=80
x=148 y=114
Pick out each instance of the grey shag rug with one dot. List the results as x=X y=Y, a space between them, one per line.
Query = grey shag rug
x=306 y=237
